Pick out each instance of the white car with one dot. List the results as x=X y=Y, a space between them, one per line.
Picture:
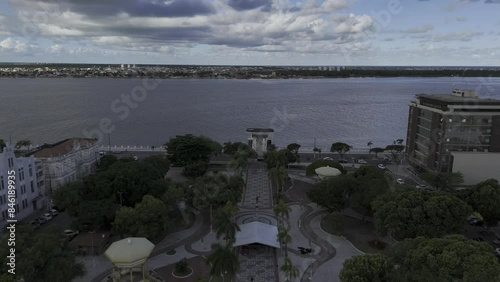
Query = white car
x=422 y=186
x=136 y=158
x=362 y=162
x=70 y=233
x=54 y=212
x=497 y=251
x=400 y=181
x=47 y=216
x=381 y=166
x=327 y=159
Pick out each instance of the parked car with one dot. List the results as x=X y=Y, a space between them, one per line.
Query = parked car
x=382 y=166
x=54 y=212
x=485 y=232
x=479 y=239
x=41 y=219
x=400 y=181
x=327 y=159
x=47 y=216
x=136 y=158
x=362 y=161
x=421 y=186
x=496 y=242
x=57 y=209
x=71 y=233
x=342 y=161
x=476 y=222
x=387 y=160
x=497 y=251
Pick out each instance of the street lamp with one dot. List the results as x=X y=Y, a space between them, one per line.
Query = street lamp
x=92 y=241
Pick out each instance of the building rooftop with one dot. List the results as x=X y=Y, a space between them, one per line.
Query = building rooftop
x=61 y=148
x=260 y=130
x=458 y=96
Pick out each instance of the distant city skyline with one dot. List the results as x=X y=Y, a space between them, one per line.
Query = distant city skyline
x=252 y=32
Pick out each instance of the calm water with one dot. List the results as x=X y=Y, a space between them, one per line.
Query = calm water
x=354 y=110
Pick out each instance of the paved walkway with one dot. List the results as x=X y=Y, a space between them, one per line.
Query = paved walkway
x=258 y=191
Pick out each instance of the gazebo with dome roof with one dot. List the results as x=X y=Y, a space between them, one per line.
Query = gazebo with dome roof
x=129 y=254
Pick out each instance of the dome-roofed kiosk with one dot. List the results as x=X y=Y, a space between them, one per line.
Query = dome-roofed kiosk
x=129 y=255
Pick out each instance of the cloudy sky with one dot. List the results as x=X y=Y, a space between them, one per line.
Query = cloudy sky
x=252 y=32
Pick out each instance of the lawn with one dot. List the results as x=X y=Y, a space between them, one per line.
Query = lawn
x=358 y=233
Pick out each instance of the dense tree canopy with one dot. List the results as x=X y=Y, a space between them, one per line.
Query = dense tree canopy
x=188 y=149
x=231 y=148
x=443 y=180
x=485 y=199
x=148 y=219
x=366 y=268
x=420 y=213
x=293 y=147
x=311 y=169
x=332 y=193
x=94 y=200
x=340 y=148
x=370 y=183
x=40 y=257
x=217 y=190
x=452 y=258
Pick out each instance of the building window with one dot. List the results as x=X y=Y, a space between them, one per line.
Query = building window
x=2 y=185
x=30 y=170
x=32 y=187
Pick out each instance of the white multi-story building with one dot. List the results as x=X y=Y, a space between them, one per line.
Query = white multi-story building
x=66 y=161
x=28 y=184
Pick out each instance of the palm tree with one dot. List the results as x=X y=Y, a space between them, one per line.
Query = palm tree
x=278 y=176
x=281 y=210
x=369 y=144
x=284 y=238
x=239 y=161
x=291 y=272
x=223 y=261
x=2 y=144
x=224 y=223
x=23 y=143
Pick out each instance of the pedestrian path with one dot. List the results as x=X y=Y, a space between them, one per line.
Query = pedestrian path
x=258 y=191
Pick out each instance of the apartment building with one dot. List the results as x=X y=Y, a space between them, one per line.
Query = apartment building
x=443 y=126
x=29 y=184
x=68 y=160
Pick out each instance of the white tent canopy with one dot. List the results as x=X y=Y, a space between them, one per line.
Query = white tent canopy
x=327 y=171
x=257 y=232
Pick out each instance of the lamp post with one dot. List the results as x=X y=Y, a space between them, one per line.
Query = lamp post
x=92 y=241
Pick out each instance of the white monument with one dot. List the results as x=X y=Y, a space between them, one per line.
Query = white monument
x=259 y=139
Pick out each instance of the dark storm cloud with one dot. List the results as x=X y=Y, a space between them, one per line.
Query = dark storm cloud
x=242 y=5
x=138 y=8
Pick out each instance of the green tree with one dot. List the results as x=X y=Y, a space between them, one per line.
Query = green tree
x=278 y=176
x=311 y=169
x=230 y=148
x=291 y=272
x=196 y=169
x=240 y=161
x=340 y=148
x=452 y=258
x=187 y=149
x=366 y=268
x=281 y=210
x=293 y=147
x=217 y=190
x=370 y=183
x=23 y=143
x=148 y=219
x=485 y=199
x=332 y=193
x=223 y=261
x=420 y=213
x=40 y=257
x=444 y=180
x=225 y=224
x=377 y=150
x=106 y=162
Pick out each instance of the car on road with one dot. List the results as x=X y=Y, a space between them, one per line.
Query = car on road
x=47 y=216
x=387 y=160
x=41 y=219
x=496 y=242
x=71 y=233
x=341 y=161
x=54 y=212
x=479 y=239
x=422 y=186
x=382 y=166
x=362 y=161
x=497 y=251
x=400 y=181
x=476 y=222
x=136 y=158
